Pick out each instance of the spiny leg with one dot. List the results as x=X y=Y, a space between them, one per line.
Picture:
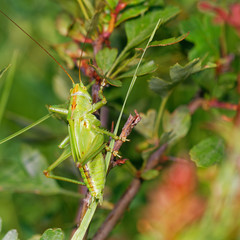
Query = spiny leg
x=106 y=132
x=66 y=154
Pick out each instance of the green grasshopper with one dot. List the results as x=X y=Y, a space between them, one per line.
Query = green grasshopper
x=85 y=140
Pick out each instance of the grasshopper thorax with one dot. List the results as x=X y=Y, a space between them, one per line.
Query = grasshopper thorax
x=80 y=101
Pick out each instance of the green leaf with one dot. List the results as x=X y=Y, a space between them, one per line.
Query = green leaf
x=205 y=35
x=28 y=174
x=168 y=41
x=140 y=29
x=112 y=3
x=150 y=174
x=53 y=234
x=105 y=58
x=160 y=86
x=178 y=74
x=134 y=2
x=208 y=152
x=147 y=123
x=144 y=69
x=114 y=82
x=11 y=235
x=226 y=83
x=177 y=123
x=131 y=13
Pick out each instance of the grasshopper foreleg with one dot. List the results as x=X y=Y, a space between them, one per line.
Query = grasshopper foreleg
x=58 y=109
x=98 y=105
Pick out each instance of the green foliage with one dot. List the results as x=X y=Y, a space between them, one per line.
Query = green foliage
x=105 y=59
x=208 y=152
x=177 y=124
x=177 y=74
x=131 y=13
x=52 y=234
x=146 y=126
x=28 y=174
x=204 y=35
x=186 y=86
x=140 y=29
x=168 y=41
x=150 y=174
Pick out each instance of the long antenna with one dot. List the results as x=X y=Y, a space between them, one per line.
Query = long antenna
x=93 y=22
x=38 y=45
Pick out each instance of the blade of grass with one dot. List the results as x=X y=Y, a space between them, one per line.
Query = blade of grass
x=111 y=145
x=79 y=234
x=25 y=129
x=7 y=86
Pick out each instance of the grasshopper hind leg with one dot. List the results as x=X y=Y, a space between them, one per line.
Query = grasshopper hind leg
x=64 y=142
x=66 y=154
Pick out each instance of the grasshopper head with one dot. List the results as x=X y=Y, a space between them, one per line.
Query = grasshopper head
x=80 y=93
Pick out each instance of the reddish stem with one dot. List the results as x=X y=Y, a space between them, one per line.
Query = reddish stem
x=213 y=103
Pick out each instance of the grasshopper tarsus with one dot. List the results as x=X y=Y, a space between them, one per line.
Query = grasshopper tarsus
x=115 y=154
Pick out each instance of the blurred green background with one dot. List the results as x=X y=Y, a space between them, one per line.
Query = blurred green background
x=183 y=202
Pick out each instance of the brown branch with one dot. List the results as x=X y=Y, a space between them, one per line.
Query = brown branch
x=127 y=197
x=126 y=130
